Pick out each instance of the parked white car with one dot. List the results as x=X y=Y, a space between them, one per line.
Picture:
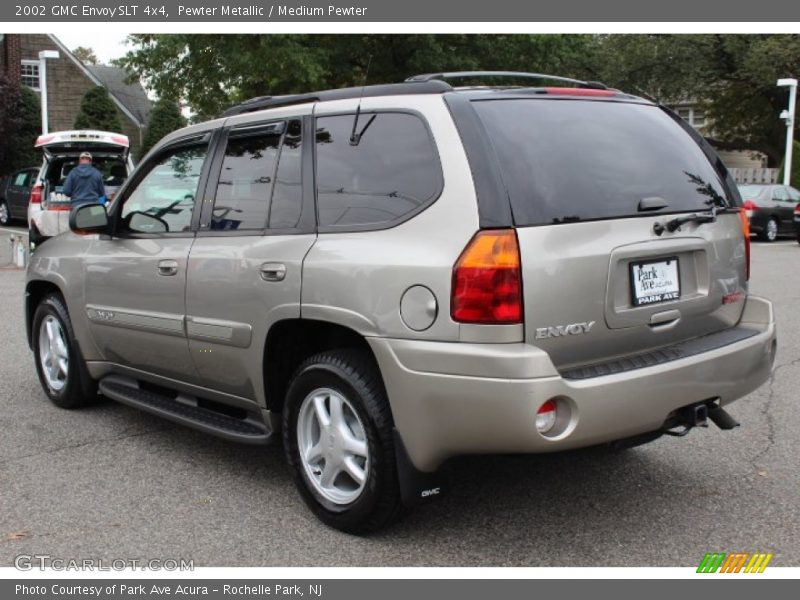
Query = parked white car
x=48 y=209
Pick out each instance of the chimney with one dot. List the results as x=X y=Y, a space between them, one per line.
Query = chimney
x=12 y=57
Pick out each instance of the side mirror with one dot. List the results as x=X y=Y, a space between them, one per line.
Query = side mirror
x=89 y=218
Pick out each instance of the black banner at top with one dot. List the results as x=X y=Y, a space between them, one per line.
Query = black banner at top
x=365 y=11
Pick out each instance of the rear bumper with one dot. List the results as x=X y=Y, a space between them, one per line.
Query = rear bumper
x=49 y=223
x=453 y=398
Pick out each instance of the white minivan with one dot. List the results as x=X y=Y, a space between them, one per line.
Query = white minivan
x=48 y=209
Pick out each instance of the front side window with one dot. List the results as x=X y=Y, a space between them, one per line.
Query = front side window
x=245 y=181
x=163 y=201
x=391 y=172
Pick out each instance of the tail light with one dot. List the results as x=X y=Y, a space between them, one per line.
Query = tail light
x=745 y=218
x=750 y=207
x=797 y=210
x=36 y=194
x=487 y=280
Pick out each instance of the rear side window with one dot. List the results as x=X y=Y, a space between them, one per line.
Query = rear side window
x=287 y=195
x=245 y=181
x=572 y=160
x=390 y=174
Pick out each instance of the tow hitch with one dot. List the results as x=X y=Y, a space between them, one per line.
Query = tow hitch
x=697 y=415
x=682 y=421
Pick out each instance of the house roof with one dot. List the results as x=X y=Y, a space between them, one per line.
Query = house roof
x=132 y=95
x=136 y=112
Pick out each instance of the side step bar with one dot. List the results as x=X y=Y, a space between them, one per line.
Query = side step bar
x=182 y=411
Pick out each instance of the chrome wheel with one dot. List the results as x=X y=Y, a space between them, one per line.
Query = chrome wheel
x=332 y=444
x=53 y=353
x=4 y=216
x=772 y=230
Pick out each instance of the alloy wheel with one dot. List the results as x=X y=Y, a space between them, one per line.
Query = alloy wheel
x=333 y=448
x=53 y=353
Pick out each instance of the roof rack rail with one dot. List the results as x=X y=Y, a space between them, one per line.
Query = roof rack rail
x=510 y=74
x=432 y=86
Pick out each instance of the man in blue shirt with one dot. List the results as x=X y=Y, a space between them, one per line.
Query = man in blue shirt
x=84 y=184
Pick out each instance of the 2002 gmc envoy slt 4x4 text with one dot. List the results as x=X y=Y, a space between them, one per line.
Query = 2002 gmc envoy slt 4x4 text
x=395 y=275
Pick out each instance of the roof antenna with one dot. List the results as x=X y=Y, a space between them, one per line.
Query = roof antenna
x=355 y=138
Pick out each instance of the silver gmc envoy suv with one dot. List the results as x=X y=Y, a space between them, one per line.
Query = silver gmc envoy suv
x=393 y=275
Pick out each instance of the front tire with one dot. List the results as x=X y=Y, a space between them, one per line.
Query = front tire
x=59 y=363
x=337 y=431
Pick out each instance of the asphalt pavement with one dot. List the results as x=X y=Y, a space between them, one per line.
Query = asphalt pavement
x=111 y=482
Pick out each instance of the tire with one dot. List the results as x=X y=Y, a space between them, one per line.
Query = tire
x=67 y=386
x=770 y=231
x=350 y=379
x=5 y=215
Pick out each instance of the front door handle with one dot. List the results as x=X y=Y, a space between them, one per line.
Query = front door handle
x=273 y=271
x=167 y=267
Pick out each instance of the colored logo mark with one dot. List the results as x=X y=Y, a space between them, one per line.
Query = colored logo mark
x=737 y=562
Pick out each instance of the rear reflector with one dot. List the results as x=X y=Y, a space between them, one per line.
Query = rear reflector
x=546 y=417
x=568 y=91
x=745 y=218
x=487 y=280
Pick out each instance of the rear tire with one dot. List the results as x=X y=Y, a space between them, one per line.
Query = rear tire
x=59 y=364
x=770 y=231
x=337 y=433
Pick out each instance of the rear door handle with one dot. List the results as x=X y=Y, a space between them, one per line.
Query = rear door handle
x=273 y=271
x=167 y=267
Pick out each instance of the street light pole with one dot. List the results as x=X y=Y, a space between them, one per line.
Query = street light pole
x=788 y=116
x=43 y=56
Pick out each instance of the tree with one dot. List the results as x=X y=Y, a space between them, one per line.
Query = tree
x=20 y=124
x=86 y=55
x=98 y=111
x=210 y=72
x=165 y=118
x=794 y=179
x=732 y=77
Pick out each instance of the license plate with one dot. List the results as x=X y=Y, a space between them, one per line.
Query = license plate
x=655 y=281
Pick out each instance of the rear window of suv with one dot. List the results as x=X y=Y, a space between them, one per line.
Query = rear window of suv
x=574 y=160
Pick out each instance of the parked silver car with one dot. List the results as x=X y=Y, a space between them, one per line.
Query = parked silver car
x=395 y=275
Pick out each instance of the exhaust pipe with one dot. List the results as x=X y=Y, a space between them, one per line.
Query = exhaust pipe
x=722 y=418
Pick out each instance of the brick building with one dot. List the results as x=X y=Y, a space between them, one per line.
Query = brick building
x=68 y=79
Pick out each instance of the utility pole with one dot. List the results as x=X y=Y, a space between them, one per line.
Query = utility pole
x=788 y=116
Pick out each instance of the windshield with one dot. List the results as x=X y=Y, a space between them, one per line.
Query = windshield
x=573 y=160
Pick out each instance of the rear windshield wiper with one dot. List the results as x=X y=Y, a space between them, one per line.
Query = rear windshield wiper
x=674 y=224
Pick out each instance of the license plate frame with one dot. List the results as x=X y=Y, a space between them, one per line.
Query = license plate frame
x=667 y=269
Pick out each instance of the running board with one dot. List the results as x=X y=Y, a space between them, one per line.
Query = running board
x=184 y=412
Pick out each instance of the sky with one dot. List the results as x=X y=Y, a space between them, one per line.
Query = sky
x=107 y=46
